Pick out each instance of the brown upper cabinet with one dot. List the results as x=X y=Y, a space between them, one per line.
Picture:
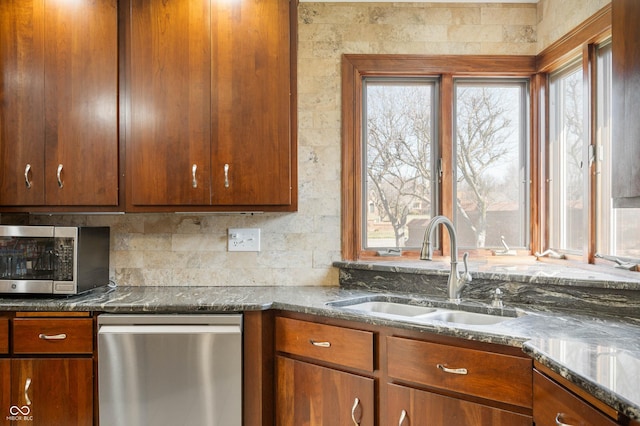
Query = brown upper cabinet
x=210 y=121
x=626 y=103
x=59 y=112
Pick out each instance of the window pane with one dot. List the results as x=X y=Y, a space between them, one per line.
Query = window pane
x=567 y=149
x=618 y=229
x=491 y=146
x=399 y=138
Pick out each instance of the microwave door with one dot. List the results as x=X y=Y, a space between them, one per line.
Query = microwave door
x=26 y=286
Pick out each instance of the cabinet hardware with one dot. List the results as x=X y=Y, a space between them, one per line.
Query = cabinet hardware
x=27 y=182
x=320 y=344
x=560 y=421
x=27 y=384
x=226 y=175
x=356 y=404
x=59 y=176
x=194 y=181
x=452 y=370
x=403 y=417
x=60 y=336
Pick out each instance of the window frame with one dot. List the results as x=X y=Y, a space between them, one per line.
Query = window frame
x=446 y=67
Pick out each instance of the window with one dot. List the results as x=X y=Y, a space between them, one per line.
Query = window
x=403 y=161
x=400 y=144
x=567 y=147
x=399 y=128
x=491 y=130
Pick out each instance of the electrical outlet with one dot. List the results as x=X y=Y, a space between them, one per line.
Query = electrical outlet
x=243 y=239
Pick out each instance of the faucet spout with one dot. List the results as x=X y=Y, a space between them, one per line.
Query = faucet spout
x=457 y=281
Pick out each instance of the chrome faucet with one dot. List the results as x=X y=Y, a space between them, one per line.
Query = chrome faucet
x=456 y=282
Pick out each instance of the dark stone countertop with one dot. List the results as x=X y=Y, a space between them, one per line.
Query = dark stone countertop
x=567 y=342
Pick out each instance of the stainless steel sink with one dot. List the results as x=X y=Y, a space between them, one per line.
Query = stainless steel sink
x=468 y=318
x=392 y=308
x=422 y=314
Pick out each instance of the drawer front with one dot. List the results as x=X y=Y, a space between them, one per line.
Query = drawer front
x=4 y=335
x=553 y=404
x=52 y=336
x=483 y=374
x=337 y=345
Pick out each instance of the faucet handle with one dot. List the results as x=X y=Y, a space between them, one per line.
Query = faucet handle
x=466 y=276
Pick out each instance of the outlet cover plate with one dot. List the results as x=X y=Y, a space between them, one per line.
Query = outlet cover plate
x=243 y=239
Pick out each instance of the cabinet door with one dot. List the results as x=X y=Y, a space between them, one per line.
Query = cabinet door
x=53 y=391
x=626 y=103
x=59 y=75
x=22 y=108
x=412 y=407
x=307 y=394
x=168 y=146
x=251 y=100
x=5 y=391
x=81 y=102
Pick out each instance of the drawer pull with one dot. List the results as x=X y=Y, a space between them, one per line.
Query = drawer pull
x=60 y=336
x=27 y=182
x=320 y=344
x=452 y=370
x=59 y=176
x=226 y=175
x=356 y=404
x=560 y=421
x=403 y=417
x=27 y=384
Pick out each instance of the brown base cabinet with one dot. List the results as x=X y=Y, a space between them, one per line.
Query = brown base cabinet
x=47 y=379
x=335 y=372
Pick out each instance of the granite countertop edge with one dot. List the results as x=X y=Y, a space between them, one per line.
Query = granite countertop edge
x=529 y=332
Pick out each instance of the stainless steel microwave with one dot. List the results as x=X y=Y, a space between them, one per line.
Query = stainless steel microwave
x=53 y=259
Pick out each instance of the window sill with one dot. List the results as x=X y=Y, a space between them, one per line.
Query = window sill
x=522 y=269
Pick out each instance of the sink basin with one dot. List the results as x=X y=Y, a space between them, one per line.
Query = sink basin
x=422 y=314
x=468 y=318
x=392 y=308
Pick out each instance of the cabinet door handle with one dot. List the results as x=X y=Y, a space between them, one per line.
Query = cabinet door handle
x=403 y=417
x=320 y=344
x=452 y=370
x=59 y=176
x=560 y=421
x=226 y=175
x=194 y=181
x=356 y=404
x=27 y=182
x=27 y=384
x=60 y=336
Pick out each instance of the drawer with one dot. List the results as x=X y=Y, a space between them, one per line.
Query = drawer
x=4 y=335
x=490 y=375
x=337 y=345
x=553 y=404
x=52 y=336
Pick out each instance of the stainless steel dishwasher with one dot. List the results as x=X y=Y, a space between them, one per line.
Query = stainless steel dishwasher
x=168 y=370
